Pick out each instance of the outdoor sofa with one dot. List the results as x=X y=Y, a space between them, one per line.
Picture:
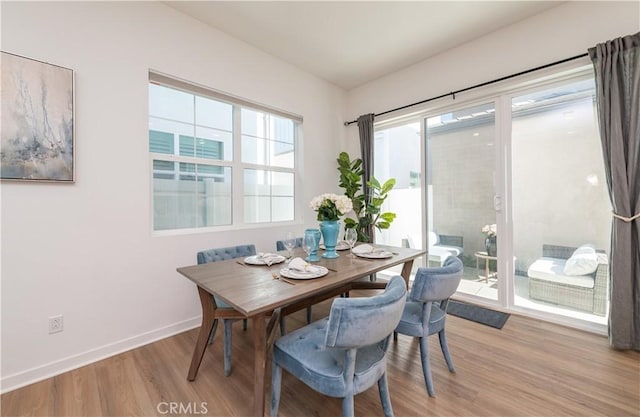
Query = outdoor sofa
x=549 y=280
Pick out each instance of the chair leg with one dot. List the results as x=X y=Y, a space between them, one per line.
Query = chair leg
x=347 y=406
x=426 y=367
x=276 y=381
x=385 y=399
x=213 y=332
x=283 y=326
x=227 y=346
x=308 y=314
x=445 y=350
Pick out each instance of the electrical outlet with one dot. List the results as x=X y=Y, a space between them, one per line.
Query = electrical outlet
x=55 y=324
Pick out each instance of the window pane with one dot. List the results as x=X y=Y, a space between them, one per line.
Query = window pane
x=397 y=155
x=282 y=209
x=282 y=184
x=282 y=201
x=560 y=195
x=167 y=103
x=460 y=181
x=283 y=155
x=267 y=140
x=162 y=134
x=196 y=195
x=161 y=142
x=214 y=114
x=212 y=138
x=269 y=196
x=201 y=148
x=253 y=123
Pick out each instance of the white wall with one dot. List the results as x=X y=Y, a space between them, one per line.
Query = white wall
x=86 y=250
x=558 y=33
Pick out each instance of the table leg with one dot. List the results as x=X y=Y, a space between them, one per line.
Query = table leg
x=259 y=364
x=208 y=320
x=486 y=270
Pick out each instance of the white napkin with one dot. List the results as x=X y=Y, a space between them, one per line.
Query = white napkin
x=300 y=265
x=366 y=248
x=270 y=258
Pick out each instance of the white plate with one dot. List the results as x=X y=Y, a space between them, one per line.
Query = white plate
x=257 y=260
x=341 y=245
x=374 y=255
x=319 y=271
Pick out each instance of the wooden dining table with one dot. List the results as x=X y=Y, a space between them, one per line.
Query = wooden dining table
x=253 y=291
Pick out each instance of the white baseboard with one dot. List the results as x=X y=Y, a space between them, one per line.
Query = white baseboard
x=30 y=376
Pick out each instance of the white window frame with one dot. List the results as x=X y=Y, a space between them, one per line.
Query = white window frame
x=236 y=164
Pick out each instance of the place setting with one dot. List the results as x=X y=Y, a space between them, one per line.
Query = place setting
x=371 y=252
x=267 y=259
x=298 y=268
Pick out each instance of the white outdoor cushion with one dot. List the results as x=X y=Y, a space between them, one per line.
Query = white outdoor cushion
x=583 y=261
x=552 y=269
x=438 y=254
x=433 y=238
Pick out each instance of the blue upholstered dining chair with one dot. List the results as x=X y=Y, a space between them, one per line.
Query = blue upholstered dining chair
x=344 y=354
x=280 y=244
x=222 y=310
x=426 y=310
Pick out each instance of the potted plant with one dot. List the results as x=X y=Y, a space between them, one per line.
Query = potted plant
x=368 y=209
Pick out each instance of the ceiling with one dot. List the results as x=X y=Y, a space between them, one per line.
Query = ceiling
x=352 y=43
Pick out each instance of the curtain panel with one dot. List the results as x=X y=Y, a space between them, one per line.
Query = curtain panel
x=365 y=126
x=617 y=73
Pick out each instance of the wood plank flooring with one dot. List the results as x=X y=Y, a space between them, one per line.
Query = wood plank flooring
x=529 y=368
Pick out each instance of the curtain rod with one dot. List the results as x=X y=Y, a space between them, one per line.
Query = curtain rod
x=453 y=93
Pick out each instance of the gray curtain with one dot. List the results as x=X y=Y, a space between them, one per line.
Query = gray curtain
x=365 y=125
x=617 y=71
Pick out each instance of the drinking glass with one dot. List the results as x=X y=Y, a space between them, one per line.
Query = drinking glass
x=309 y=245
x=350 y=236
x=289 y=244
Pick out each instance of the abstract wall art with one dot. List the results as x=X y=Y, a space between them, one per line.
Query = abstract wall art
x=37 y=132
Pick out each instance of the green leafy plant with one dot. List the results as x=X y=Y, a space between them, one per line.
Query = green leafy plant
x=367 y=210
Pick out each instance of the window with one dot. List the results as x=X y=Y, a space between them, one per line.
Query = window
x=217 y=160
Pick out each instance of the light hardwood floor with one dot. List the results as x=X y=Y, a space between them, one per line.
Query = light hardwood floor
x=529 y=368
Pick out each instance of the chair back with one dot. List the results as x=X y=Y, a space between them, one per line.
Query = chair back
x=363 y=321
x=435 y=284
x=222 y=254
x=280 y=244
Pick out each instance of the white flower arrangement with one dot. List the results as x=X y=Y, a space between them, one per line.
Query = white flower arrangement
x=331 y=206
x=490 y=229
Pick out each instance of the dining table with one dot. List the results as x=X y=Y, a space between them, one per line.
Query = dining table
x=263 y=295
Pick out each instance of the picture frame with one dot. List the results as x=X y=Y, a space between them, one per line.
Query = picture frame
x=37 y=134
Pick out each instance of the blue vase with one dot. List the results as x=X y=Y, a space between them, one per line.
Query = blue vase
x=491 y=246
x=330 y=229
x=313 y=255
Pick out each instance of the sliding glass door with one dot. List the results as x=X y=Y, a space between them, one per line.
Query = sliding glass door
x=514 y=186
x=461 y=195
